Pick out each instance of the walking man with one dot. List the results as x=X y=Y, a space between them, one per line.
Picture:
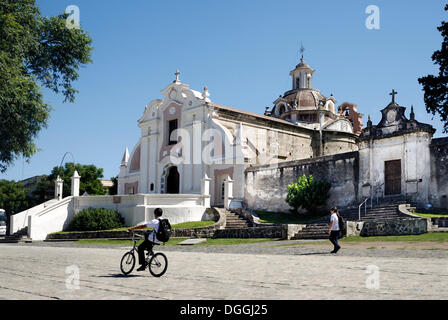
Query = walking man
x=334 y=229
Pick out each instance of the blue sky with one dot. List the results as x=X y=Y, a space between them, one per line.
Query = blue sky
x=243 y=51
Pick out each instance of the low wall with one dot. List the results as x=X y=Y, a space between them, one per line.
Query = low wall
x=52 y=219
x=203 y=232
x=138 y=208
x=267 y=187
x=440 y=222
x=255 y=232
x=394 y=227
x=20 y=220
x=439 y=172
x=54 y=216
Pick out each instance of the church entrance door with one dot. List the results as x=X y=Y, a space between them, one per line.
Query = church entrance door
x=172 y=181
x=392 y=177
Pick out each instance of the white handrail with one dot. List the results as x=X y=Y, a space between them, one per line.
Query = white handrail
x=365 y=208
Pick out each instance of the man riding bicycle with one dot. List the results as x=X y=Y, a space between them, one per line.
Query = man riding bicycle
x=150 y=238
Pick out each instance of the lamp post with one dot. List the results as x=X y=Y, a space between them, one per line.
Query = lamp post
x=320 y=113
x=59 y=183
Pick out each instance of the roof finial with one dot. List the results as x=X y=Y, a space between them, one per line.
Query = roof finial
x=177 y=74
x=369 y=122
x=412 y=113
x=302 y=50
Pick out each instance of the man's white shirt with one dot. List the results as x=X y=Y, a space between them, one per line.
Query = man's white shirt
x=334 y=218
x=153 y=224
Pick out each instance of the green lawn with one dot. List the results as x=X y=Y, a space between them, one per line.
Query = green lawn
x=426 y=237
x=431 y=215
x=193 y=224
x=283 y=218
x=176 y=241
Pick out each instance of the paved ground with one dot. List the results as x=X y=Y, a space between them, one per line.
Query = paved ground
x=258 y=271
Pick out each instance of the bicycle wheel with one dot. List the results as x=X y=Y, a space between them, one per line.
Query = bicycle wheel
x=158 y=264
x=127 y=263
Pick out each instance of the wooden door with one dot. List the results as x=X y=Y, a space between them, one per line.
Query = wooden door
x=392 y=177
x=219 y=189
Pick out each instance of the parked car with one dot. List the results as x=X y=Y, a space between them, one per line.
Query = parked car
x=2 y=228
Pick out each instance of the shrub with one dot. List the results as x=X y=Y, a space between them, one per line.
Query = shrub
x=308 y=193
x=94 y=219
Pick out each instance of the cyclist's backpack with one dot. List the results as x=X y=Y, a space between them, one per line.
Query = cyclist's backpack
x=164 y=232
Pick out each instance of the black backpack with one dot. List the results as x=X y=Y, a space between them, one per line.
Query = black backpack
x=163 y=234
x=341 y=223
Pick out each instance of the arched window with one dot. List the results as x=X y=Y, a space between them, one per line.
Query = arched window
x=281 y=109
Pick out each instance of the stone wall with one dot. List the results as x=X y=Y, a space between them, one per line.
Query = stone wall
x=440 y=222
x=274 y=232
x=439 y=172
x=394 y=227
x=267 y=187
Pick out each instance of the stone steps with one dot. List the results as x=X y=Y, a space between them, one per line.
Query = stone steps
x=234 y=221
x=313 y=231
x=19 y=236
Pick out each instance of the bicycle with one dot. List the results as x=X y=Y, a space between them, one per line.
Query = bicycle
x=157 y=262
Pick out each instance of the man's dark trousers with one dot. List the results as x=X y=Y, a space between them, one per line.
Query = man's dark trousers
x=145 y=245
x=334 y=235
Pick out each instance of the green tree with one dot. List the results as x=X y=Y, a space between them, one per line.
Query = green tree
x=34 y=51
x=90 y=181
x=13 y=197
x=436 y=87
x=308 y=193
x=114 y=189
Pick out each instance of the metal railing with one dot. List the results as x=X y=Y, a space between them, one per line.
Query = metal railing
x=365 y=207
x=376 y=194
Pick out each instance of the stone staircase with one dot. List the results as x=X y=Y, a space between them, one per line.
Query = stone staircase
x=385 y=210
x=377 y=212
x=313 y=231
x=19 y=236
x=234 y=221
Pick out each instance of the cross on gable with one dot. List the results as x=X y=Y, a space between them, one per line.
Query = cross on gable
x=393 y=93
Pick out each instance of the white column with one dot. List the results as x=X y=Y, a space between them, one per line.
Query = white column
x=58 y=185
x=75 y=184
x=205 y=191
x=228 y=192
x=144 y=162
x=30 y=226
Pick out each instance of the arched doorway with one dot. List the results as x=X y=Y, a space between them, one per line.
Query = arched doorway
x=172 y=180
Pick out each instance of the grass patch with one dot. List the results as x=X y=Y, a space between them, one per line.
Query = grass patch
x=284 y=218
x=426 y=237
x=430 y=215
x=193 y=224
x=440 y=237
x=176 y=241
x=228 y=242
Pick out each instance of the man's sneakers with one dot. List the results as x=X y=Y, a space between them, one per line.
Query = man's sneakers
x=336 y=250
x=142 y=267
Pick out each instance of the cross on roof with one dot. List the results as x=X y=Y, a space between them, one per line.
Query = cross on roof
x=393 y=93
x=302 y=50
